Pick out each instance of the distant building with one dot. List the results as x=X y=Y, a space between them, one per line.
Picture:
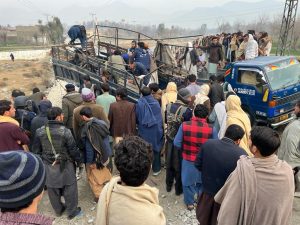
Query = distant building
x=30 y=35
x=8 y=34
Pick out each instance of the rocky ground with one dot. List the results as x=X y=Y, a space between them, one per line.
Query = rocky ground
x=25 y=75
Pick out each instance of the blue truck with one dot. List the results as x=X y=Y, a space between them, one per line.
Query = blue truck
x=268 y=87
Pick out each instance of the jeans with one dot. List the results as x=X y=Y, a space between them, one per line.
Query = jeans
x=191 y=193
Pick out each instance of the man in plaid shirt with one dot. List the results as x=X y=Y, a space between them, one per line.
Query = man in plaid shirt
x=190 y=137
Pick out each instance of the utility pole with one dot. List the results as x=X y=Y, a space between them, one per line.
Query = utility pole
x=287 y=27
x=93 y=18
x=94 y=22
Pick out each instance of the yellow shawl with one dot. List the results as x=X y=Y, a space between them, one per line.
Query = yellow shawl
x=236 y=115
x=7 y=119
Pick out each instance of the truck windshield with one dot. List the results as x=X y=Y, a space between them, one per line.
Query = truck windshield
x=284 y=77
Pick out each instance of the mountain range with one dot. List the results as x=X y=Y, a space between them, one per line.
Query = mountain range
x=117 y=10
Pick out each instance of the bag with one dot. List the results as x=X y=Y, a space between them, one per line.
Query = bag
x=174 y=120
x=24 y=117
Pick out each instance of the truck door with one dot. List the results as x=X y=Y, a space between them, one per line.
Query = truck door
x=249 y=88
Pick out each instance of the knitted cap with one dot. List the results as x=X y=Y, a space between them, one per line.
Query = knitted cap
x=184 y=93
x=87 y=95
x=22 y=178
x=70 y=87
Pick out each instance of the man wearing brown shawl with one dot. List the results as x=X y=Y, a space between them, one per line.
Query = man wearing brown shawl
x=261 y=189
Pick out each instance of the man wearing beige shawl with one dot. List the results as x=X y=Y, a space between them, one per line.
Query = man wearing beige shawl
x=261 y=189
x=127 y=199
x=236 y=115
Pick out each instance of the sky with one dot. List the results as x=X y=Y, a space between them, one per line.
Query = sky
x=29 y=11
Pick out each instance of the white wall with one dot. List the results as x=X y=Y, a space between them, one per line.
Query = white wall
x=25 y=54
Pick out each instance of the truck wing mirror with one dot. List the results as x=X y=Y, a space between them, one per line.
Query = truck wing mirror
x=265 y=91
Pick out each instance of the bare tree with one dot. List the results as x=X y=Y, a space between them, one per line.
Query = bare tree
x=3 y=36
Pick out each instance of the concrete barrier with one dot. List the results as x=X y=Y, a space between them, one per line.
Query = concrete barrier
x=25 y=54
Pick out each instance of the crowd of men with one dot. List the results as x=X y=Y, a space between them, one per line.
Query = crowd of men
x=227 y=170
x=202 y=57
x=214 y=52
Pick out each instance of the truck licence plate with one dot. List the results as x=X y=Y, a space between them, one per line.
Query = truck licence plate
x=284 y=117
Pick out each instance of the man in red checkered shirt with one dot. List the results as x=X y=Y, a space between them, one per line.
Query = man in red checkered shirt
x=190 y=137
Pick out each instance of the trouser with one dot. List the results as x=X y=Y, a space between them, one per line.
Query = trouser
x=173 y=165
x=70 y=194
x=191 y=193
x=207 y=209
x=297 y=180
x=156 y=163
x=212 y=68
x=97 y=179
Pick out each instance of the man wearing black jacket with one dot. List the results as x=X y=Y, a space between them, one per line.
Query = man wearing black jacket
x=56 y=146
x=216 y=161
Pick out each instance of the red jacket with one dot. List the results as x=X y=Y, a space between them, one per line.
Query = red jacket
x=195 y=133
x=10 y=134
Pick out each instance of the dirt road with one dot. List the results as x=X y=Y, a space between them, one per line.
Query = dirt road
x=174 y=208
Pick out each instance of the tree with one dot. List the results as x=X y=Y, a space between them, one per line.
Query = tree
x=56 y=30
x=53 y=30
x=35 y=36
x=161 y=30
x=3 y=36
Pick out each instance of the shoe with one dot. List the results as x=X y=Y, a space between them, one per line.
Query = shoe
x=61 y=212
x=96 y=200
x=178 y=192
x=77 y=212
x=190 y=207
x=156 y=173
x=169 y=188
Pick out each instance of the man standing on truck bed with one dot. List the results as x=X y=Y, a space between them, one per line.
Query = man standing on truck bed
x=215 y=55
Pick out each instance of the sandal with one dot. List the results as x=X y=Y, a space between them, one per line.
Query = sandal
x=190 y=207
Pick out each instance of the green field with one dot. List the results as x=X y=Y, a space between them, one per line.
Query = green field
x=10 y=48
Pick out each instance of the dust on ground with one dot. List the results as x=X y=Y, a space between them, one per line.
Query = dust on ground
x=25 y=75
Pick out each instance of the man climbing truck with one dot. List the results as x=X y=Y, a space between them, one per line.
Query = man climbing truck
x=268 y=87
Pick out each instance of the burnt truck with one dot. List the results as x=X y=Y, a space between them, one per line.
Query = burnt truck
x=72 y=62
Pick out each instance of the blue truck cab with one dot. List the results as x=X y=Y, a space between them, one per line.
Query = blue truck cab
x=268 y=87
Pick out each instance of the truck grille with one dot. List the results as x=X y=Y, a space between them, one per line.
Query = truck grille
x=289 y=99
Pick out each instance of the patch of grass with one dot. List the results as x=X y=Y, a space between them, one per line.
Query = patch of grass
x=3 y=84
x=5 y=79
x=28 y=75
x=293 y=52
x=46 y=83
x=26 y=64
x=37 y=73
